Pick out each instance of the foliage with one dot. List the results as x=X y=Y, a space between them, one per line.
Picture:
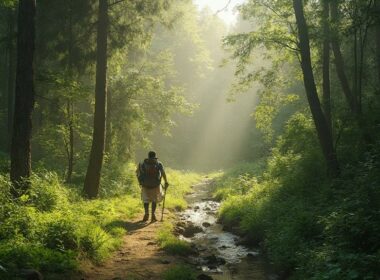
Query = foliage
x=51 y=227
x=179 y=272
x=310 y=227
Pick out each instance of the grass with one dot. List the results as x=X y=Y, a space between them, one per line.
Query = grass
x=310 y=226
x=180 y=184
x=179 y=272
x=52 y=228
x=170 y=243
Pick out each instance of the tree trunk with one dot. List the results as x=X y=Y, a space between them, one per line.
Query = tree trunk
x=11 y=76
x=24 y=97
x=70 y=100
x=339 y=62
x=70 y=148
x=109 y=123
x=91 y=184
x=326 y=64
x=323 y=131
x=377 y=12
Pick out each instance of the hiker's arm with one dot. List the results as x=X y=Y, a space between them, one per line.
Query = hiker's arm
x=163 y=174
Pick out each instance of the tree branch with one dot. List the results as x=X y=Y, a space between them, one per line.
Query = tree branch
x=224 y=8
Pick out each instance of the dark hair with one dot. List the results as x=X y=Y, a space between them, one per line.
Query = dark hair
x=152 y=154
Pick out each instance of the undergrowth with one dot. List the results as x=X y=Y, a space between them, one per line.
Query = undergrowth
x=51 y=227
x=179 y=272
x=310 y=226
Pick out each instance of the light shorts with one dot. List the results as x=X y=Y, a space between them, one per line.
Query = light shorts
x=151 y=194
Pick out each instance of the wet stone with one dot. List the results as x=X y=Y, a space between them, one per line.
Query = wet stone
x=206 y=224
x=252 y=254
x=213 y=260
x=191 y=230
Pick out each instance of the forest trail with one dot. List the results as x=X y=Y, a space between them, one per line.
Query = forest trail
x=140 y=257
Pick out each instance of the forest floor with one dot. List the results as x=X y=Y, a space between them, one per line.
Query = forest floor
x=139 y=257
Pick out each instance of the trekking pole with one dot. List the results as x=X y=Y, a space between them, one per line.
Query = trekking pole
x=163 y=204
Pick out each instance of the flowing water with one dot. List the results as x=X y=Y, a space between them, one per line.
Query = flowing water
x=220 y=254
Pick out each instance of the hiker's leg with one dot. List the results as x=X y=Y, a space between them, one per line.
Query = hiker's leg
x=146 y=208
x=154 y=205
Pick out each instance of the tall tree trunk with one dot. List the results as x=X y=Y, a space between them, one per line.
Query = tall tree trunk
x=11 y=76
x=339 y=62
x=109 y=123
x=91 y=184
x=377 y=13
x=323 y=131
x=24 y=97
x=70 y=100
x=326 y=64
x=70 y=145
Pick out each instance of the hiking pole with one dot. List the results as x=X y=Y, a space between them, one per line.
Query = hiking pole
x=163 y=204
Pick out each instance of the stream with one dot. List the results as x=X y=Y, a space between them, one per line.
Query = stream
x=219 y=254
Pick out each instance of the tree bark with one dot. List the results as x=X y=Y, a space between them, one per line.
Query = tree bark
x=11 y=76
x=109 y=123
x=91 y=184
x=70 y=101
x=24 y=97
x=326 y=64
x=339 y=63
x=323 y=131
x=377 y=13
x=70 y=148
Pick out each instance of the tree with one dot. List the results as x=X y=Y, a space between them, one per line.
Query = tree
x=92 y=180
x=326 y=63
x=377 y=22
x=323 y=131
x=339 y=62
x=24 y=96
x=64 y=62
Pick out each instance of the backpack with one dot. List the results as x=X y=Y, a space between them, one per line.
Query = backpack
x=150 y=174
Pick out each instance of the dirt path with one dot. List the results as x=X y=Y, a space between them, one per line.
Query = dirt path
x=139 y=257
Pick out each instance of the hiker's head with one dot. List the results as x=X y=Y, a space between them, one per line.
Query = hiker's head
x=152 y=155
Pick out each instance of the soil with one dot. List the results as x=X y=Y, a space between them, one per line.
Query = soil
x=140 y=257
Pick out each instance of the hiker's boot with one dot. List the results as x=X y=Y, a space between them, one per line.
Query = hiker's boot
x=146 y=210
x=153 y=218
x=146 y=217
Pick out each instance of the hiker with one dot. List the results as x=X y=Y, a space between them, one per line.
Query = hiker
x=149 y=174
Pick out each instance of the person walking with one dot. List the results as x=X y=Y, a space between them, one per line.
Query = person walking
x=149 y=174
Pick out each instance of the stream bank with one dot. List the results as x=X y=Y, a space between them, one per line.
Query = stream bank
x=219 y=254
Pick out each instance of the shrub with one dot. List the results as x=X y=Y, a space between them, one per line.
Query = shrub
x=311 y=227
x=179 y=272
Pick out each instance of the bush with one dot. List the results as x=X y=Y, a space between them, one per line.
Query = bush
x=179 y=272
x=310 y=226
x=51 y=227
